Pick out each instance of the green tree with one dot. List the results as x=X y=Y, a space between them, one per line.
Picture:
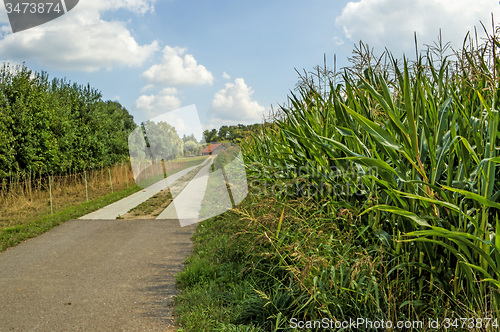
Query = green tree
x=210 y=136
x=164 y=142
x=57 y=126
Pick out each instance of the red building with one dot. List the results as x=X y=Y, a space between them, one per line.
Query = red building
x=213 y=149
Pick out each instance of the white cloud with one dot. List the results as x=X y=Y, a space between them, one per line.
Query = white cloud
x=136 y=6
x=338 y=41
x=147 y=87
x=153 y=105
x=391 y=23
x=235 y=103
x=81 y=39
x=178 y=68
x=185 y=120
x=226 y=76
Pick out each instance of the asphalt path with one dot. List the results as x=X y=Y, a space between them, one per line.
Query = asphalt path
x=186 y=205
x=94 y=275
x=121 y=207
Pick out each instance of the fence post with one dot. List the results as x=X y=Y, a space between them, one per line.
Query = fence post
x=126 y=174
x=50 y=194
x=110 y=182
x=86 y=188
x=30 y=187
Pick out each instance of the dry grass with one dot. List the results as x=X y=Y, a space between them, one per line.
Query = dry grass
x=27 y=200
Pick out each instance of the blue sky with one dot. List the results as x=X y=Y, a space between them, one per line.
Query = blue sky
x=232 y=59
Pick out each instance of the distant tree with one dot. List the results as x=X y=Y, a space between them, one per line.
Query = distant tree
x=190 y=147
x=223 y=133
x=210 y=136
x=164 y=142
x=234 y=134
x=189 y=138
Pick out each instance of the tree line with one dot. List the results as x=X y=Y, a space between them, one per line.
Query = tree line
x=235 y=134
x=56 y=126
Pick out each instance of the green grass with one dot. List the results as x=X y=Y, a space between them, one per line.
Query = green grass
x=192 y=160
x=152 y=207
x=260 y=265
x=405 y=224
x=211 y=281
x=12 y=236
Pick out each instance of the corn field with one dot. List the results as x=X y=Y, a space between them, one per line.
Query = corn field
x=415 y=145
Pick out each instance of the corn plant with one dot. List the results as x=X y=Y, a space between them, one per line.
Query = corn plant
x=418 y=153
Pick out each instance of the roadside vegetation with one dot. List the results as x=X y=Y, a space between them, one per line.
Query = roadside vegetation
x=57 y=127
x=374 y=193
x=25 y=201
x=63 y=152
x=11 y=236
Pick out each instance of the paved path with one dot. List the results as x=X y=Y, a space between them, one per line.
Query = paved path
x=187 y=205
x=94 y=275
x=112 y=211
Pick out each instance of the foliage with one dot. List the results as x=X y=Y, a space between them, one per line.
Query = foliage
x=191 y=145
x=271 y=260
x=56 y=126
x=163 y=140
x=234 y=134
x=411 y=150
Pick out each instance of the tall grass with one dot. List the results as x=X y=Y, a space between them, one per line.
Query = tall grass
x=24 y=199
x=410 y=149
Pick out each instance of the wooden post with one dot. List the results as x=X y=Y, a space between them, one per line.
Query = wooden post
x=30 y=187
x=50 y=194
x=110 y=182
x=126 y=173
x=86 y=186
x=18 y=182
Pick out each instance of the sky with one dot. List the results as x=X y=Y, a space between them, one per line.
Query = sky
x=230 y=60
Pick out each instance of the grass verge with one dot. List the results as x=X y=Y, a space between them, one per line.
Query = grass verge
x=269 y=262
x=151 y=208
x=211 y=283
x=13 y=235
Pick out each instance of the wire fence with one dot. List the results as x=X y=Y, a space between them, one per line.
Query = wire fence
x=23 y=197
